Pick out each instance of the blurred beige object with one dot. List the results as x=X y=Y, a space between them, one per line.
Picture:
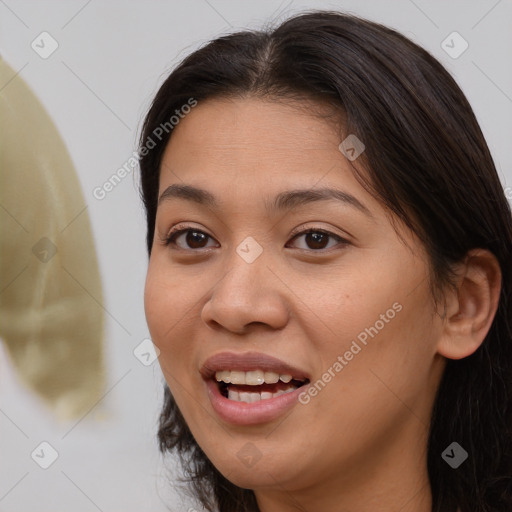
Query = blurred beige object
x=51 y=317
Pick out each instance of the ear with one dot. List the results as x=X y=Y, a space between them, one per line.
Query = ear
x=471 y=307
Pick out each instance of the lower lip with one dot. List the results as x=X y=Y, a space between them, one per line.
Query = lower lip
x=242 y=413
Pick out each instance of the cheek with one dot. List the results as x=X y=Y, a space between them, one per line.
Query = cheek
x=386 y=348
x=158 y=305
x=168 y=297
x=172 y=308
x=380 y=324
x=353 y=302
x=167 y=309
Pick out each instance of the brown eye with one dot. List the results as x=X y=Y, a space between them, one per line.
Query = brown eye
x=193 y=239
x=317 y=240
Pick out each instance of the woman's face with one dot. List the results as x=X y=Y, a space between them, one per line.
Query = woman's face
x=248 y=292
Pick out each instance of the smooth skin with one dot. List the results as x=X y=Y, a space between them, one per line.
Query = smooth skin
x=360 y=444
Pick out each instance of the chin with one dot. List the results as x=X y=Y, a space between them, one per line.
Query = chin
x=248 y=468
x=259 y=476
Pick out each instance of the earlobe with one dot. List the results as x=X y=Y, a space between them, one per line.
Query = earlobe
x=471 y=307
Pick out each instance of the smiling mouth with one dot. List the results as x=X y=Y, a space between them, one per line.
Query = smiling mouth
x=256 y=385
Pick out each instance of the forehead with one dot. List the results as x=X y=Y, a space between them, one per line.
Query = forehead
x=250 y=140
x=248 y=126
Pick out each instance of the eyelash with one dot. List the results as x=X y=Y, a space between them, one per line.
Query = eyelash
x=170 y=239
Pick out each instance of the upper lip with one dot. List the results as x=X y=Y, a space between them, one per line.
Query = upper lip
x=249 y=361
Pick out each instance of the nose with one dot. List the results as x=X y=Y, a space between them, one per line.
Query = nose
x=248 y=294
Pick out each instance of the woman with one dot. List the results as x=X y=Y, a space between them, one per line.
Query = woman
x=329 y=279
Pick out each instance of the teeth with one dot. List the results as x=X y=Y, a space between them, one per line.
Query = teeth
x=252 y=378
x=237 y=378
x=255 y=378
x=234 y=395
x=250 y=396
x=223 y=376
x=271 y=377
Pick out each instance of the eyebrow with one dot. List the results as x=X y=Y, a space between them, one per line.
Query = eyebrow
x=286 y=200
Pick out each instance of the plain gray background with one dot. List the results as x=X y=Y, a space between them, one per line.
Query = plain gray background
x=111 y=58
